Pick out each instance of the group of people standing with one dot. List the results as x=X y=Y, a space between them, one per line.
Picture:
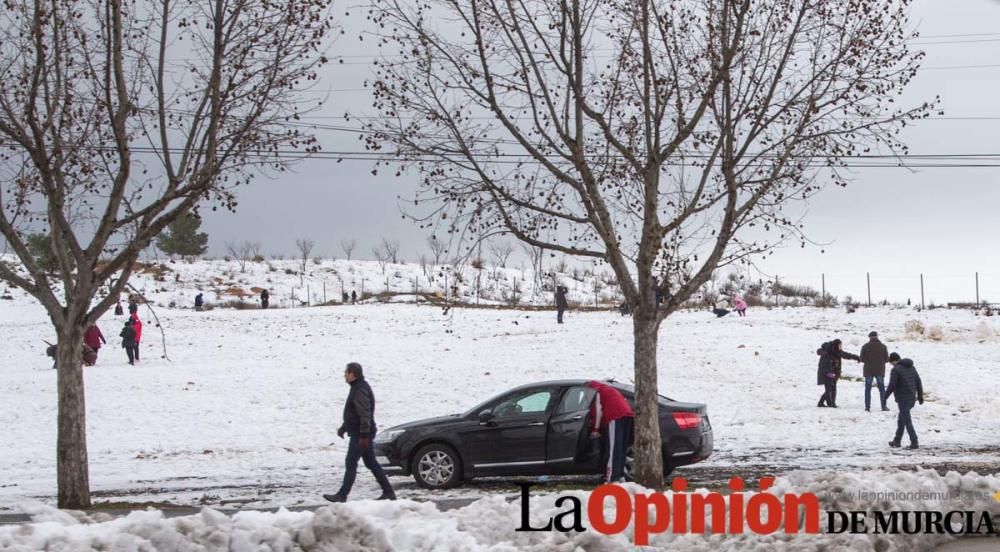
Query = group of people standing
x=131 y=334
x=904 y=381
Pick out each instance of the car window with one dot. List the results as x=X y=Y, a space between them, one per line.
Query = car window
x=576 y=399
x=530 y=402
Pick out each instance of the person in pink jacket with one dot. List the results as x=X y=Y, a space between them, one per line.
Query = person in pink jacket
x=740 y=305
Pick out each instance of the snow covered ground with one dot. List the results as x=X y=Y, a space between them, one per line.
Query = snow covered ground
x=246 y=407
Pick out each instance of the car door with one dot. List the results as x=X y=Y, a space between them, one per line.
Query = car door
x=567 y=435
x=513 y=441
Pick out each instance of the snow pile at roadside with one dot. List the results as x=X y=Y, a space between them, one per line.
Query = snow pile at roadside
x=489 y=524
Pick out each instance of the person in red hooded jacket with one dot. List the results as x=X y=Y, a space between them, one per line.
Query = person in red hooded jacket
x=94 y=338
x=612 y=418
x=137 y=326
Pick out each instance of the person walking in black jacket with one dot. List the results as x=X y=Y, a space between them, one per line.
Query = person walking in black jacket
x=905 y=382
x=359 y=425
x=561 y=302
x=128 y=341
x=831 y=356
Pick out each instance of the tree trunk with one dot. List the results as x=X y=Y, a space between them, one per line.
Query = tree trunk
x=648 y=468
x=72 y=471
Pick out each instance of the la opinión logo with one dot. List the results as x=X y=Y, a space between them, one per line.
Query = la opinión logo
x=761 y=513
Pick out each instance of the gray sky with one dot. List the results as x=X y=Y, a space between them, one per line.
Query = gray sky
x=893 y=223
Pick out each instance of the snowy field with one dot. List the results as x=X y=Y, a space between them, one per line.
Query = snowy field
x=247 y=407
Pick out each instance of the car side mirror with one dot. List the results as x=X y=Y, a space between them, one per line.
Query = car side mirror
x=486 y=417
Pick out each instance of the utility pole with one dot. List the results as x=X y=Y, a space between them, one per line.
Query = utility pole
x=823 y=296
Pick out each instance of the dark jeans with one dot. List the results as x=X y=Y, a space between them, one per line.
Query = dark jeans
x=559 y=313
x=905 y=421
x=868 y=390
x=354 y=453
x=130 y=351
x=829 y=397
x=135 y=350
x=618 y=437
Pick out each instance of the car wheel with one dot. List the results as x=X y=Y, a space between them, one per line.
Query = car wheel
x=437 y=466
x=630 y=463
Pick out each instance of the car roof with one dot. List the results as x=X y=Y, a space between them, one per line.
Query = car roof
x=566 y=383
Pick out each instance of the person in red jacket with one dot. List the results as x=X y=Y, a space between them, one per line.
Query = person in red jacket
x=613 y=419
x=137 y=326
x=94 y=338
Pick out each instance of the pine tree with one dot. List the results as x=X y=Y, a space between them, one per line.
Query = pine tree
x=182 y=237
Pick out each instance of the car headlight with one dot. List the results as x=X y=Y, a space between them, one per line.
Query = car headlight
x=389 y=435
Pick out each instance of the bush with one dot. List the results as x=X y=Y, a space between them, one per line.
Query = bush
x=914 y=327
x=258 y=258
x=935 y=333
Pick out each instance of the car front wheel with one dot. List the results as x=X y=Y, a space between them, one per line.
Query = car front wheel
x=437 y=466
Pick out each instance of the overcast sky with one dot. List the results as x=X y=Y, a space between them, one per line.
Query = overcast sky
x=893 y=223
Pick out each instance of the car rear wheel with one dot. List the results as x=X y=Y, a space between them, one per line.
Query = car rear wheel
x=630 y=463
x=437 y=466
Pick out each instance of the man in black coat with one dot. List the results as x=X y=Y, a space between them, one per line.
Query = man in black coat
x=905 y=382
x=874 y=355
x=359 y=425
x=128 y=341
x=561 y=302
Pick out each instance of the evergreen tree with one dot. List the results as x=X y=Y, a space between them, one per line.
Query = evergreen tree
x=182 y=237
x=40 y=247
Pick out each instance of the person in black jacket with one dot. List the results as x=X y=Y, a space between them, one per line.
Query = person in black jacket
x=831 y=355
x=561 y=302
x=905 y=382
x=265 y=298
x=359 y=425
x=128 y=341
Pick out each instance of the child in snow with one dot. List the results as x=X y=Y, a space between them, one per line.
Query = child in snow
x=740 y=305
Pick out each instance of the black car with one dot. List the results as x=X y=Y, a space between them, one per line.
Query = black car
x=536 y=429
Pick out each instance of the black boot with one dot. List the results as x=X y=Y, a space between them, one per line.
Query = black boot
x=389 y=495
x=822 y=402
x=335 y=497
x=913 y=446
x=894 y=443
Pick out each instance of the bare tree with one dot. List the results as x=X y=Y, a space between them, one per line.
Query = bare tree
x=348 y=247
x=391 y=250
x=501 y=251
x=132 y=114
x=305 y=247
x=381 y=255
x=536 y=255
x=243 y=253
x=646 y=133
x=438 y=249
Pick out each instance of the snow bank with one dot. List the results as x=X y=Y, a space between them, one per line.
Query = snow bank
x=489 y=524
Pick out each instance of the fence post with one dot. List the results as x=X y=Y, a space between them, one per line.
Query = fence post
x=823 y=296
x=308 y=296
x=324 y=291
x=977 y=290
x=922 y=292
